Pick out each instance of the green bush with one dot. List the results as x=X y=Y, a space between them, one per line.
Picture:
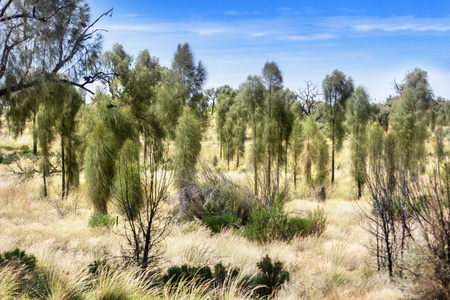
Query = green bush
x=185 y=272
x=6 y=161
x=217 y=223
x=8 y=148
x=32 y=280
x=271 y=277
x=24 y=148
x=199 y=274
x=16 y=256
x=317 y=221
x=101 y=220
x=272 y=223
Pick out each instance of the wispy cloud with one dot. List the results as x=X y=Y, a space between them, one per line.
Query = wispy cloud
x=305 y=38
x=404 y=27
x=240 y=13
x=132 y=15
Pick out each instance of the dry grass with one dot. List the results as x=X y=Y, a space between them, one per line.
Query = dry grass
x=336 y=265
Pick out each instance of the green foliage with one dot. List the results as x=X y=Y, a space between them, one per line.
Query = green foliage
x=315 y=154
x=317 y=221
x=375 y=146
x=272 y=223
x=439 y=147
x=217 y=223
x=358 y=110
x=271 y=276
x=188 y=273
x=19 y=257
x=24 y=148
x=127 y=182
x=188 y=136
x=99 y=163
x=296 y=145
x=337 y=88
x=101 y=220
x=200 y=274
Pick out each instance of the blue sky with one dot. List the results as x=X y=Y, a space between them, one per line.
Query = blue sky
x=374 y=42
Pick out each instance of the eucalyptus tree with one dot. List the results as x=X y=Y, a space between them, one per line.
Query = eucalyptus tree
x=309 y=98
x=337 y=88
x=252 y=92
x=41 y=39
x=358 y=113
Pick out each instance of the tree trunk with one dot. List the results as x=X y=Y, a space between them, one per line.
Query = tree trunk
x=332 y=162
x=237 y=160
x=359 y=189
x=63 y=171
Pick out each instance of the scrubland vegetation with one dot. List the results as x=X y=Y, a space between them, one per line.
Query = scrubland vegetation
x=157 y=188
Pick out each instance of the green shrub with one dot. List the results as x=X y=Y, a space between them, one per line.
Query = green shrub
x=317 y=220
x=101 y=220
x=6 y=161
x=199 y=274
x=176 y=274
x=272 y=223
x=32 y=280
x=27 y=261
x=8 y=148
x=217 y=223
x=299 y=226
x=271 y=276
x=221 y=273
x=24 y=148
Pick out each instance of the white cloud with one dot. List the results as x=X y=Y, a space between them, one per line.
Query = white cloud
x=306 y=38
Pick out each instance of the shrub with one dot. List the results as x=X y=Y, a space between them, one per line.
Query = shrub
x=217 y=223
x=271 y=276
x=176 y=274
x=199 y=275
x=272 y=223
x=216 y=195
x=317 y=221
x=16 y=256
x=24 y=148
x=101 y=220
x=32 y=281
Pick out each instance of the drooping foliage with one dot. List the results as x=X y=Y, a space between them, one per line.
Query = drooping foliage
x=337 y=88
x=358 y=110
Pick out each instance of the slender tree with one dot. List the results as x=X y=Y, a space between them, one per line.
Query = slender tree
x=337 y=88
x=358 y=112
x=253 y=94
x=274 y=80
x=191 y=75
x=297 y=146
x=188 y=137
